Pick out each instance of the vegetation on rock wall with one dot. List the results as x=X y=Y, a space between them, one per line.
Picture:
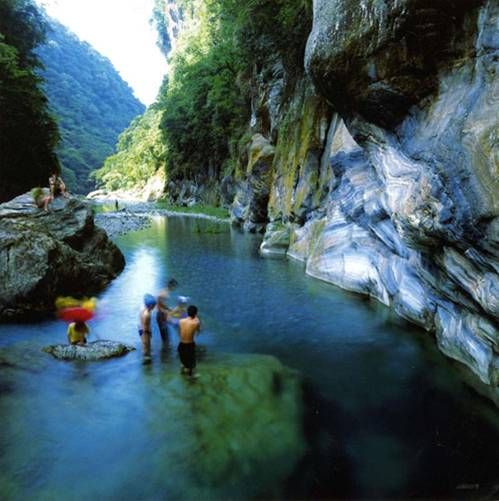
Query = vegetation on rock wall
x=140 y=153
x=91 y=101
x=207 y=100
x=205 y=103
x=28 y=134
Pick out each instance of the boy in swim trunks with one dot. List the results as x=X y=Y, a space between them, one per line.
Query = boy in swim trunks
x=163 y=310
x=77 y=333
x=145 y=331
x=188 y=328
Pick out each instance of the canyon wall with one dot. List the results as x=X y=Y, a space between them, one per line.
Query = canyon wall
x=379 y=170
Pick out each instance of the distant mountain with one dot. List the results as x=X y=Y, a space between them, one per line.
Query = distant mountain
x=90 y=100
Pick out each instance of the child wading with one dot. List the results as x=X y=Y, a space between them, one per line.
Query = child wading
x=145 y=331
x=188 y=328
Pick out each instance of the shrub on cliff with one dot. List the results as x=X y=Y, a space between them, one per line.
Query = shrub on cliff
x=207 y=100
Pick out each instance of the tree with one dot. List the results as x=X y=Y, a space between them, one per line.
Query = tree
x=28 y=133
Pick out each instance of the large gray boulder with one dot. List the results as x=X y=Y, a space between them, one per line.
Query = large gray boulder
x=378 y=58
x=47 y=254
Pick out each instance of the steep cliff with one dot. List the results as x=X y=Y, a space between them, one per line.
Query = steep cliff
x=382 y=165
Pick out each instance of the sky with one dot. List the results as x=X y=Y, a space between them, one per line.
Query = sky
x=119 y=30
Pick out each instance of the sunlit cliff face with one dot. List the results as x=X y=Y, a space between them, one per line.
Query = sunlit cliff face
x=380 y=57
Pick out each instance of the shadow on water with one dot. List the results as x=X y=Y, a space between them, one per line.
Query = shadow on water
x=325 y=471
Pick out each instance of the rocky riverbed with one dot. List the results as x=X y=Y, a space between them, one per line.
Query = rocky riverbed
x=137 y=215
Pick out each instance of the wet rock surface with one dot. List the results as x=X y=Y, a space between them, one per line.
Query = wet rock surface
x=385 y=178
x=97 y=350
x=47 y=254
x=249 y=208
x=250 y=411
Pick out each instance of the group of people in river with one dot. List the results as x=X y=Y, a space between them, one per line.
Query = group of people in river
x=57 y=188
x=182 y=316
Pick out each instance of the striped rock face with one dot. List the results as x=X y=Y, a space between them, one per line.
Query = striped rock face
x=401 y=199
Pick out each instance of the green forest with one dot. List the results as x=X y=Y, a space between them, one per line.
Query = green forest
x=204 y=105
x=198 y=126
x=28 y=132
x=89 y=99
x=62 y=104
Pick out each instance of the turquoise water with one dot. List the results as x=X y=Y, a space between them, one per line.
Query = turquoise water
x=304 y=391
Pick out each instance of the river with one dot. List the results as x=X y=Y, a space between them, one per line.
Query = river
x=304 y=391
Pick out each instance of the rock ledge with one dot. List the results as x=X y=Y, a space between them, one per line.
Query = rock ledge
x=97 y=350
x=47 y=254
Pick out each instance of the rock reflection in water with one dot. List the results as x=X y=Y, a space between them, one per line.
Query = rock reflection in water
x=241 y=420
x=204 y=438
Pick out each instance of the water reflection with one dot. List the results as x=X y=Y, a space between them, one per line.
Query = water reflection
x=381 y=412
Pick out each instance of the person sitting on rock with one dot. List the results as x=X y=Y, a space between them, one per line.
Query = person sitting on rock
x=41 y=198
x=145 y=331
x=57 y=186
x=77 y=333
x=188 y=328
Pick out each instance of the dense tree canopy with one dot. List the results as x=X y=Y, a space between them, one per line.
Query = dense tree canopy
x=140 y=153
x=90 y=100
x=203 y=108
x=28 y=134
x=207 y=100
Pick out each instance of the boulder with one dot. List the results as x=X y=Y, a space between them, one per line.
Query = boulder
x=378 y=58
x=97 y=350
x=47 y=254
x=245 y=416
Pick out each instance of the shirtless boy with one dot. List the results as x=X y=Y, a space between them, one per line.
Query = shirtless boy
x=145 y=331
x=188 y=328
x=162 y=313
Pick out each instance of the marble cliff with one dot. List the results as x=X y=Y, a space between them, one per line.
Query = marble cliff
x=380 y=170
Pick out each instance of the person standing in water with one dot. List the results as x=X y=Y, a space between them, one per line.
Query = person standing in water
x=188 y=328
x=163 y=309
x=145 y=331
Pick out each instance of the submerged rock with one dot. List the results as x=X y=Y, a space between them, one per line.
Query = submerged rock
x=97 y=350
x=47 y=254
x=240 y=420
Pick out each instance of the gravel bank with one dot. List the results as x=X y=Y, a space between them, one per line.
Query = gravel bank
x=138 y=216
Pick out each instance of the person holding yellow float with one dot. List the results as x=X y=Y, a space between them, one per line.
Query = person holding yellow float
x=77 y=312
